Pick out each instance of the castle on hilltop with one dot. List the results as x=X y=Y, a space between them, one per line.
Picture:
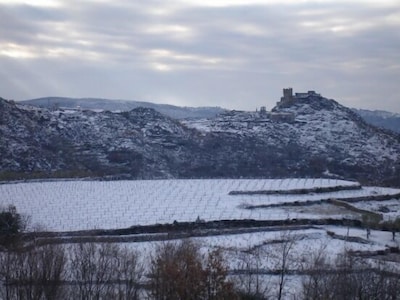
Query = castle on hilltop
x=286 y=101
x=288 y=98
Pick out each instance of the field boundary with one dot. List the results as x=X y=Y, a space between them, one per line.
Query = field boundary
x=303 y=191
x=179 y=230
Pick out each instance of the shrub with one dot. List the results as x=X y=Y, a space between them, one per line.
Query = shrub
x=179 y=271
x=11 y=225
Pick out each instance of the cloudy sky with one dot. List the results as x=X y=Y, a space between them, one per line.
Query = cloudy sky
x=236 y=54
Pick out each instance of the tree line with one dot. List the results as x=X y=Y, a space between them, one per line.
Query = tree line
x=183 y=270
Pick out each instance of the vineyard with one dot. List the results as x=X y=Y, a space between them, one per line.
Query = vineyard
x=85 y=205
x=250 y=220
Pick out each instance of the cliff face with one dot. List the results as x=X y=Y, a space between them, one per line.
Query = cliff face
x=313 y=136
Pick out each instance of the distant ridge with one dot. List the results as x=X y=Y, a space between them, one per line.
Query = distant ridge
x=172 y=111
x=380 y=118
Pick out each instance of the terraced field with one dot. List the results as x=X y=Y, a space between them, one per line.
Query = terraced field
x=86 y=205
x=249 y=219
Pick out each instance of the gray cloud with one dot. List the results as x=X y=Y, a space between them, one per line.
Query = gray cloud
x=237 y=57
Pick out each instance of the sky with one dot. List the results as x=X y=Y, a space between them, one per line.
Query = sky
x=236 y=54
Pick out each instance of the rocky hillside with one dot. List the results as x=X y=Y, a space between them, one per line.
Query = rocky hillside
x=310 y=136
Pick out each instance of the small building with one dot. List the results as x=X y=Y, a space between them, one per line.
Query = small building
x=286 y=117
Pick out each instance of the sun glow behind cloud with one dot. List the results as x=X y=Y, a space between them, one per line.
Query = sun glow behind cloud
x=240 y=50
x=16 y=51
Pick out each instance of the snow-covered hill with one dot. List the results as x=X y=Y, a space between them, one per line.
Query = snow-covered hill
x=327 y=133
x=306 y=136
x=123 y=105
x=383 y=119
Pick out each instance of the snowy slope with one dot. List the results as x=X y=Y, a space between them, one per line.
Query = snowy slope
x=313 y=136
x=78 y=205
x=323 y=129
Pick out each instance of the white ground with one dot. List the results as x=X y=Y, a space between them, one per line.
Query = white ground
x=81 y=205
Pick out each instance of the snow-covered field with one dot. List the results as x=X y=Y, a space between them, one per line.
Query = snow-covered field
x=261 y=253
x=307 y=242
x=82 y=205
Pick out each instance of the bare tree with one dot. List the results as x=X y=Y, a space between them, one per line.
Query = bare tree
x=8 y=274
x=93 y=267
x=316 y=265
x=104 y=271
x=350 y=277
x=83 y=270
x=53 y=262
x=284 y=253
x=34 y=273
x=130 y=273
x=250 y=283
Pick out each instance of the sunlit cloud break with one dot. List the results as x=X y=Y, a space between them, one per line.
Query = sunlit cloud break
x=234 y=54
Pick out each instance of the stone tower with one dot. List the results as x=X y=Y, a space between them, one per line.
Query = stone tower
x=287 y=95
x=287 y=98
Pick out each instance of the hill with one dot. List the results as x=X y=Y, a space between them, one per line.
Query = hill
x=123 y=105
x=304 y=135
x=381 y=118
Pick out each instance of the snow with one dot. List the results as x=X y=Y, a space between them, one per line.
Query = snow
x=261 y=250
x=75 y=205
x=320 y=131
x=389 y=209
x=83 y=205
